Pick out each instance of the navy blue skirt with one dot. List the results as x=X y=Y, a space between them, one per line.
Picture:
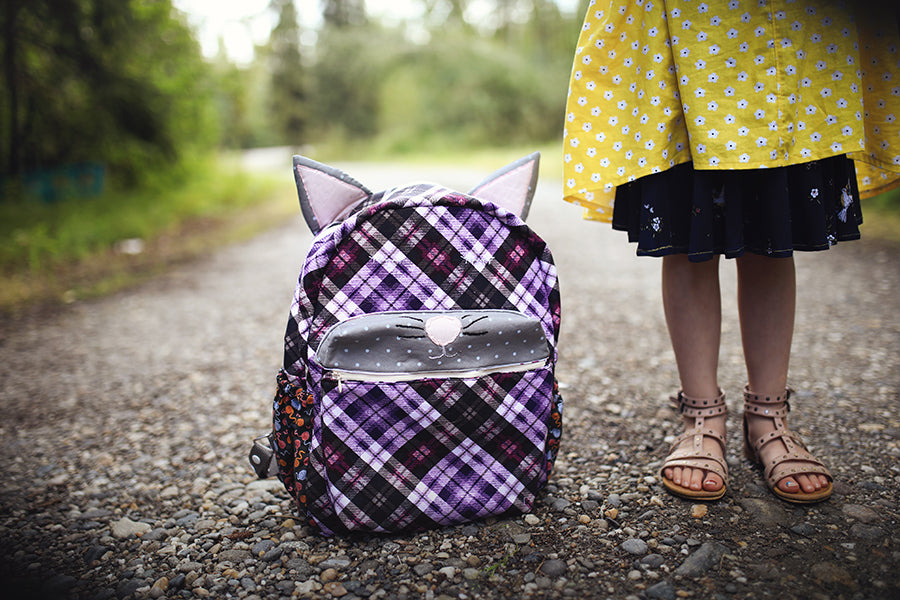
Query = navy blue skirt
x=772 y=212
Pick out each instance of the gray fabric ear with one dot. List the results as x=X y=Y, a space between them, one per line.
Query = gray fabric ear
x=512 y=187
x=325 y=193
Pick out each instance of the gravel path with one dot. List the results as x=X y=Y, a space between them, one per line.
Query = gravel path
x=126 y=422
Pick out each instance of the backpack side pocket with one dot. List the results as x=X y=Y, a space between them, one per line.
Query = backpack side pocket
x=292 y=427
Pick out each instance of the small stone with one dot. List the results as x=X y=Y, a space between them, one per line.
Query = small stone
x=329 y=575
x=532 y=520
x=521 y=538
x=584 y=519
x=611 y=513
x=448 y=572
x=698 y=511
x=703 y=559
x=470 y=574
x=869 y=533
x=860 y=513
x=554 y=567
x=335 y=563
x=653 y=561
x=590 y=505
x=765 y=511
x=335 y=588
x=634 y=546
x=125 y=527
x=560 y=504
x=661 y=591
x=830 y=573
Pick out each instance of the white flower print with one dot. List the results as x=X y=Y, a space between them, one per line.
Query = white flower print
x=712 y=134
x=629 y=154
x=644 y=119
x=729 y=119
x=760 y=59
x=815 y=38
x=742 y=104
x=649 y=144
x=771 y=71
x=805 y=153
x=617 y=146
x=811 y=109
x=604 y=162
x=701 y=36
x=652 y=31
x=742 y=76
x=786 y=43
x=700 y=120
x=712 y=106
x=660 y=127
x=837 y=147
x=676 y=12
x=714 y=49
x=729 y=91
x=806 y=82
x=730 y=63
x=686 y=24
x=586 y=127
x=701 y=149
x=621 y=105
x=614 y=120
x=731 y=145
x=625 y=129
x=796 y=25
x=702 y=7
x=595 y=177
x=760 y=31
x=714 y=161
x=642 y=162
x=745 y=18
x=815 y=136
x=685 y=52
x=732 y=33
x=592 y=152
x=770 y=98
x=744 y=158
x=759 y=113
x=761 y=141
x=801 y=125
x=826 y=92
x=699 y=92
x=700 y=64
x=790 y=70
x=733 y=4
x=608 y=95
x=617 y=79
x=837 y=76
x=831 y=119
x=582 y=101
x=715 y=21
x=814 y=193
x=744 y=47
x=655 y=100
x=847 y=130
x=658 y=58
x=801 y=54
x=773 y=126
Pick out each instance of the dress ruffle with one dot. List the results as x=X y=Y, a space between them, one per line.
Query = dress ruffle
x=771 y=212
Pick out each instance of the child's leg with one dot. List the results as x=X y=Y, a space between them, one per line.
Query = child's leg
x=766 y=302
x=692 y=304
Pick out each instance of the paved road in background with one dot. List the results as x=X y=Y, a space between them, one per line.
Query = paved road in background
x=125 y=421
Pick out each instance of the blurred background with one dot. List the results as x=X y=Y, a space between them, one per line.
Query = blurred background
x=130 y=130
x=124 y=124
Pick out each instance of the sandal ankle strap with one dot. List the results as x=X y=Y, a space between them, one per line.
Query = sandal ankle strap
x=767 y=406
x=699 y=407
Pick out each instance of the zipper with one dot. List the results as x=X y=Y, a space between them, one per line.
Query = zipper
x=341 y=375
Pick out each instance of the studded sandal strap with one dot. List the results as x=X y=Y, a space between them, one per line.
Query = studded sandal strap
x=694 y=456
x=699 y=407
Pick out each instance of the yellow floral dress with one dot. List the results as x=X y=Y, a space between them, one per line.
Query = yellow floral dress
x=739 y=84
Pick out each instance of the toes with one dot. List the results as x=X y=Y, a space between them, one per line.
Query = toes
x=712 y=482
x=807 y=484
x=788 y=485
x=696 y=479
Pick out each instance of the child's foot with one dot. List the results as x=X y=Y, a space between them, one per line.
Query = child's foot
x=791 y=471
x=696 y=467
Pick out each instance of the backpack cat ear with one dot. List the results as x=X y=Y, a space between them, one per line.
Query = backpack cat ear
x=325 y=193
x=512 y=187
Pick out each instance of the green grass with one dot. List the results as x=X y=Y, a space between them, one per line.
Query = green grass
x=72 y=248
x=881 y=217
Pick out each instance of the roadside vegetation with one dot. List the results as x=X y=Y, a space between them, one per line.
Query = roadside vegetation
x=120 y=141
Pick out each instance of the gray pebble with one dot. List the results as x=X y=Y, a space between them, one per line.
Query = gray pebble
x=661 y=591
x=554 y=568
x=703 y=559
x=634 y=546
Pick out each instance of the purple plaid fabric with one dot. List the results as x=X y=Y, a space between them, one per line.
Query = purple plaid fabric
x=391 y=457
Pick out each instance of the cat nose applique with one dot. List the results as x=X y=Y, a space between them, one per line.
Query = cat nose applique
x=443 y=329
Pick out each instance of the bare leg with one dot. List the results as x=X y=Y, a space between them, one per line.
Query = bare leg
x=693 y=309
x=766 y=303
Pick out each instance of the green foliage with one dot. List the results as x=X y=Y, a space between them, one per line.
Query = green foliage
x=119 y=82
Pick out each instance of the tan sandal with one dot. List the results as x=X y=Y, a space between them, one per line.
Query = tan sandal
x=777 y=408
x=696 y=457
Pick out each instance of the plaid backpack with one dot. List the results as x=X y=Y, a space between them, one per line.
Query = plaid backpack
x=418 y=384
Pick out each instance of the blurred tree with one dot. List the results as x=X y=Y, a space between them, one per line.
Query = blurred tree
x=116 y=81
x=344 y=13
x=288 y=98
